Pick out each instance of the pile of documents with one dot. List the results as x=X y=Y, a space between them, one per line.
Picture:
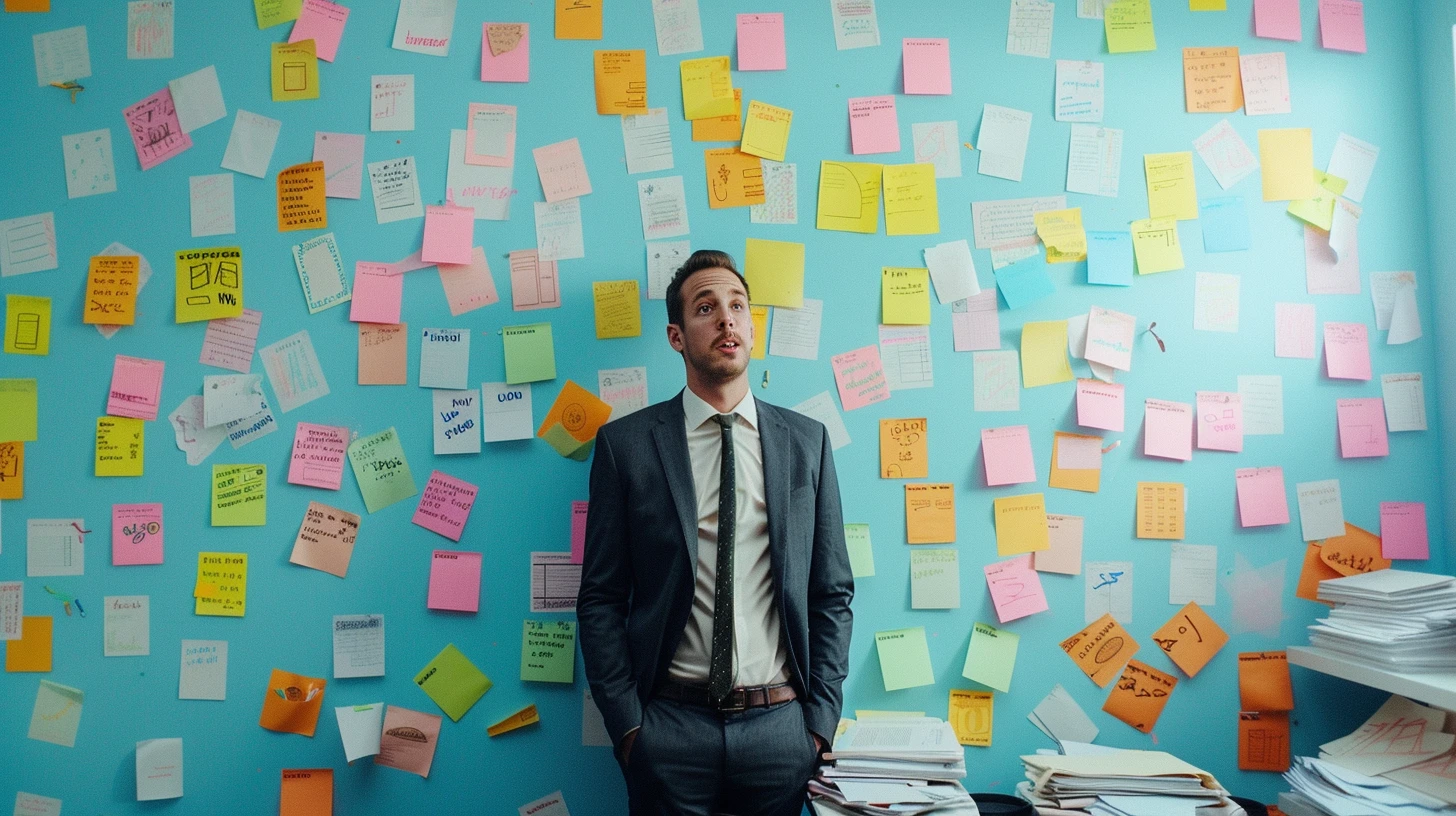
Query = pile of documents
x=1111 y=782
x=893 y=765
x=1399 y=763
x=1392 y=619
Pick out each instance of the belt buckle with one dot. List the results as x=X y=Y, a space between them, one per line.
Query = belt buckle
x=735 y=703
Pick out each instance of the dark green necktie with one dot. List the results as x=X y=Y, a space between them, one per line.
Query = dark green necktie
x=720 y=671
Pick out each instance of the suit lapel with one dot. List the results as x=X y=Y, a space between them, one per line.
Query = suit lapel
x=672 y=449
x=773 y=436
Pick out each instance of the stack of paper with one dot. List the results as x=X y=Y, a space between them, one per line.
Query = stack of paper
x=1393 y=619
x=1111 y=782
x=1323 y=788
x=893 y=765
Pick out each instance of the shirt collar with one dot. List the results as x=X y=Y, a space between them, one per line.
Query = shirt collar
x=697 y=411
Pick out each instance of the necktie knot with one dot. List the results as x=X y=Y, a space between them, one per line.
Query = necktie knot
x=726 y=420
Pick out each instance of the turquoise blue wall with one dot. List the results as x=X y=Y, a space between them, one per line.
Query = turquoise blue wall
x=1384 y=97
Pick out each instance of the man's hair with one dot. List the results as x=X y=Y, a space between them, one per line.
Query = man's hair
x=697 y=262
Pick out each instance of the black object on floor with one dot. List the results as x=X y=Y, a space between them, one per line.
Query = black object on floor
x=1251 y=808
x=999 y=804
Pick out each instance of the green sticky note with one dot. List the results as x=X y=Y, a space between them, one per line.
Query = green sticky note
x=272 y=12
x=530 y=354
x=935 y=579
x=1320 y=210
x=861 y=554
x=381 y=470
x=568 y=445
x=18 y=407
x=1129 y=25
x=239 y=495
x=453 y=682
x=548 y=651
x=57 y=714
x=991 y=657
x=904 y=658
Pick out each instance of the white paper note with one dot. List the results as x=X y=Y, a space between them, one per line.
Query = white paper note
x=1058 y=716
x=796 y=331
x=855 y=24
x=149 y=29
x=358 y=646
x=396 y=189
x=12 y=609
x=1262 y=397
x=55 y=547
x=1226 y=154
x=1079 y=91
x=821 y=407
x=558 y=230
x=506 y=412
x=1094 y=161
x=625 y=389
x=664 y=207
x=1354 y=161
x=1266 y=83
x=952 y=270
x=359 y=728
x=27 y=244
x=204 y=670
x=212 y=205
x=1029 y=33
x=679 y=29
x=194 y=438
x=444 y=358
x=1108 y=589
x=1405 y=401
x=486 y=189
x=1216 y=302
x=127 y=627
x=1003 y=139
x=90 y=166
x=250 y=145
x=61 y=56
x=424 y=26
x=1321 y=511
x=1193 y=574
x=938 y=143
x=294 y=371
x=392 y=102
x=780 y=194
x=996 y=380
x=664 y=258
x=159 y=769
x=197 y=98
x=457 y=422
x=905 y=355
x=647 y=141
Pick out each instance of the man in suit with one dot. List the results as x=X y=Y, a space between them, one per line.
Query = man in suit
x=715 y=623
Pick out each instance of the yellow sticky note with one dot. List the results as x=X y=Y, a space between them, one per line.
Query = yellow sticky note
x=1155 y=243
x=578 y=19
x=911 y=206
x=209 y=283
x=272 y=12
x=904 y=296
x=1021 y=524
x=775 y=272
x=224 y=576
x=849 y=196
x=930 y=513
x=111 y=290
x=239 y=495
x=120 y=449
x=1208 y=5
x=301 y=191
x=707 y=88
x=526 y=716
x=766 y=131
x=19 y=407
x=1320 y=210
x=735 y=179
x=1129 y=26
x=27 y=325
x=1286 y=160
x=1085 y=479
x=1160 y=510
x=727 y=128
x=618 y=309
x=1171 y=190
x=621 y=81
x=1063 y=234
x=970 y=715
x=760 y=332
x=295 y=71
x=1044 y=353
x=1211 y=80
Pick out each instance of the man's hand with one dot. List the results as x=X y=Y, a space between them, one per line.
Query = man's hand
x=818 y=743
x=631 y=737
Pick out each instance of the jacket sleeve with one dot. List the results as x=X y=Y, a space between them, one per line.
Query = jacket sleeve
x=604 y=599
x=831 y=587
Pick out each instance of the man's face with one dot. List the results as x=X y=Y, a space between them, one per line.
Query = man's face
x=716 y=334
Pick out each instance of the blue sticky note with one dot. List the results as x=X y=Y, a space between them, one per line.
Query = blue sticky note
x=1109 y=258
x=1225 y=224
x=1024 y=282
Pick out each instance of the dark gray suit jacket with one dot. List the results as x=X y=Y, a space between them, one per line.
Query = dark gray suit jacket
x=642 y=555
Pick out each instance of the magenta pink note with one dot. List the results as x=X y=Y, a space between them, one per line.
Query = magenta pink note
x=761 y=43
x=454 y=581
x=318 y=456
x=155 y=131
x=445 y=505
x=136 y=534
x=1347 y=351
x=1277 y=19
x=322 y=22
x=378 y=293
x=449 y=233
x=1262 y=497
x=1100 y=405
x=1403 y=530
x=505 y=52
x=1006 y=453
x=1342 y=25
x=1168 y=430
x=578 y=531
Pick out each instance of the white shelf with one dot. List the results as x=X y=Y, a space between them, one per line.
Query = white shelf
x=1435 y=688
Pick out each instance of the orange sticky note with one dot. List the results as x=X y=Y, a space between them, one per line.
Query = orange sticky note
x=307 y=792
x=1314 y=571
x=27 y=5
x=1264 y=741
x=578 y=412
x=383 y=353
x=903 y=450
x=735 y=179
x=621 y=81
x=32 y=653
x=1101 y=649
x=1069 y=471
x=292 y=702
x=1190 y=639
x=301 y=197
x=1211 y=80
x=1264 y=682
x=722 y=128
x=526 y=716
x=1160 y=510
x=1140 y=695
x=111 y=290
x=12 y=470
x=1355 y=552
x=578 y=19
x=930 y=513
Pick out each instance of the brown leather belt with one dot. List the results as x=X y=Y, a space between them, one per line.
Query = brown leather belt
x=739 y=699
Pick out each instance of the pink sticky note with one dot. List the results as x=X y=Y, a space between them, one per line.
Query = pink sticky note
x=318 y=456
x=468 y=286
x=873 y=125
x=322 y=22
x=343 y=158
x=155 y=130
x=445 y=505
x=927 y=65
x=1006 y=453
x=449 y=234
x=562 y=170
x=578 y=531
x=1168 y=429
x=1347 y=351
x=1220 y=421
x=1326 y=273
x=136 y=388
x=1342 y=25
x=1100 y=405
x=454 y=581
x=1403 y=530
x=1262 y=499
x=136 y=534
x=1015 y=588
x=761 y=43
x=860 y=377
x=378 y=292
x=1362 y=427
x=1294 y=330
x=1277 y=19
x=505 y=57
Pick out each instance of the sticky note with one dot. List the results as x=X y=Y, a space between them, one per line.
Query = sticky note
x=766 y=130
x=120 y=446
x=1160 y=510
x=1277 y=19
x=1168 y=429
x=775 y=273
x=27 y=325
x=1312 y=572
x=617 y=308
x=1129 y=26
x=136 y=388
x=1403 y=530
x=1357 y=551
x=306 y=792
x=1076 y=462
x=239 y=495
x=620 y=81
x=112 y=282
x=56 y=716
x=1347 y=351
x=1015 y=588
x=707 y=88
x=904 y=449
x=735 y=178
x=572 y=423
x=849 y=197
x=548 y=651
x=272 y=12
x=12 y=470
x=1100 y=404
x=970 y=715
x=1362 y=427
x=1171 y=189
x=904 y=658
x=292 y=702
x=935 y=579
x=1264 y=741
x=528 y=715
x=1062 y=233
x=302 y=189
x=1021 y=524
x=1190 y=638
x=1140 y=695
x=1225 y=224
x=1342 y=25
x=873 y=125
x=1044 y=353
x=761 y=42
x=529 y=352
x=1319 y=209
x=32 y=652
x=454 y=581
x=858 y=374
x=579 y=19
x=445 y=505
x=1064 y=553
x=295 y=71
x=905 y=296
x=1264 y=683
x=380 y=468
x=1262 y=497
x=1155 y=244
x=930 y=513
x=926 y=65
x=1101 y=649
x=453 y=682
x=1006 y=455
x=1024 y=282
x=323 y=22
x=210 y=282
x=1212 y=81
x=449 y=234
x=221 y=588
x=505 y=54
x=911 y=203
x=325 y=540
x=1286 y=158
x=991 y=657
x=861 y=550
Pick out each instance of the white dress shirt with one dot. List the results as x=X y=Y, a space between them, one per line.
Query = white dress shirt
x=759 y=655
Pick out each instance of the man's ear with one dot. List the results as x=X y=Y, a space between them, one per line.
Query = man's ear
x=675 y=337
